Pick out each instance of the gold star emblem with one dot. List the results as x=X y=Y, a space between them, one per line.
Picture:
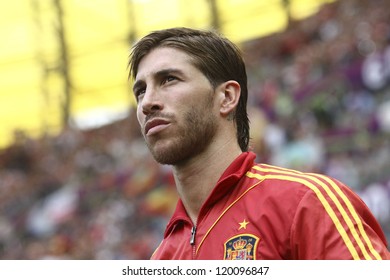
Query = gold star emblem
x=243 y=224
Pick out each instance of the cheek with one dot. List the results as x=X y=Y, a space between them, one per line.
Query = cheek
x=140 y=116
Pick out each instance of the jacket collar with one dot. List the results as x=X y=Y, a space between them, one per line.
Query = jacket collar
x=228 y=180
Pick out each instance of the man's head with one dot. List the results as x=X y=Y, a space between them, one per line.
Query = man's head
x=216 y=57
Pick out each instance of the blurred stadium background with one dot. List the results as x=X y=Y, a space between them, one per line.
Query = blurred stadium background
x=76 y=180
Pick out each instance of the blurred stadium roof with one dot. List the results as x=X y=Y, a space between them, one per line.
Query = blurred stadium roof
x=63 y=60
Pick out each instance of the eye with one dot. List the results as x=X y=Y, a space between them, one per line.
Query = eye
x=168 y=79
x=139 y=93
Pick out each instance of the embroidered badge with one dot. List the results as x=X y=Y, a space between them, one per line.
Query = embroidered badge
x=241 y=247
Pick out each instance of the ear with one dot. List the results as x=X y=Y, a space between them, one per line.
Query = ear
x=229 y=93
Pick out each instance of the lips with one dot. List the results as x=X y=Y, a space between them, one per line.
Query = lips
x=154 y=126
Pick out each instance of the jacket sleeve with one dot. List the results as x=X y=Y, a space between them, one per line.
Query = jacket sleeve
x=332 y=222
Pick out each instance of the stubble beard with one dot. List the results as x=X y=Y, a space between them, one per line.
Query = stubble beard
x=189 y=140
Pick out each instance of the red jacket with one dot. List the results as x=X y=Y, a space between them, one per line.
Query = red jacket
x=258 y=211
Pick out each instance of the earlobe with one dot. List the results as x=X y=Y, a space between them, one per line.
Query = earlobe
x=230 y=94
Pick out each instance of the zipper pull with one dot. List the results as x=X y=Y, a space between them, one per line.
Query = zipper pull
x=193 y=232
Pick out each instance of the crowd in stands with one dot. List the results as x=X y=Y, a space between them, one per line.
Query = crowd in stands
x=319 y=101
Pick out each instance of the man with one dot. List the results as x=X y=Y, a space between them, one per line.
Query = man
x=191 y=91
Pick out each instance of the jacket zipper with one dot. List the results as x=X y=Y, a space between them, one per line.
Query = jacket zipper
x=193 y=232
x=192 y=241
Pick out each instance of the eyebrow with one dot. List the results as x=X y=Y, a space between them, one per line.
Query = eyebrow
x=158 y=74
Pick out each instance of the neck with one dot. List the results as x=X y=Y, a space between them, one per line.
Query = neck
x=196 y=178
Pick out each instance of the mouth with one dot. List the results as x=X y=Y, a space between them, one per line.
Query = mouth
x=154 y=126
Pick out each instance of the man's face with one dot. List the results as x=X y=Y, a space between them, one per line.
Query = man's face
x=176 y=108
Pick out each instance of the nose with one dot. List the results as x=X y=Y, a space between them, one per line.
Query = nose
x=151 y=102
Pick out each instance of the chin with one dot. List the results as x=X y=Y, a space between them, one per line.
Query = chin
x=167 y=159
x=165 y=154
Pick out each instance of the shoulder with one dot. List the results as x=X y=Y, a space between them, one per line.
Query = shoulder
x=299 y=185
x=292 y=178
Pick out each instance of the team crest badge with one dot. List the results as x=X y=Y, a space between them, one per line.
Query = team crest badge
x=241 y=247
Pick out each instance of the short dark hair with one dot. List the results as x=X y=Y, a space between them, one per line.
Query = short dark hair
x=216 y=57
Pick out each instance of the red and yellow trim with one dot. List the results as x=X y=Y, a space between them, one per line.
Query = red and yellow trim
x=328 y=192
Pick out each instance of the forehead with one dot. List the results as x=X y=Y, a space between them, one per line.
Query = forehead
x=164 y=58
